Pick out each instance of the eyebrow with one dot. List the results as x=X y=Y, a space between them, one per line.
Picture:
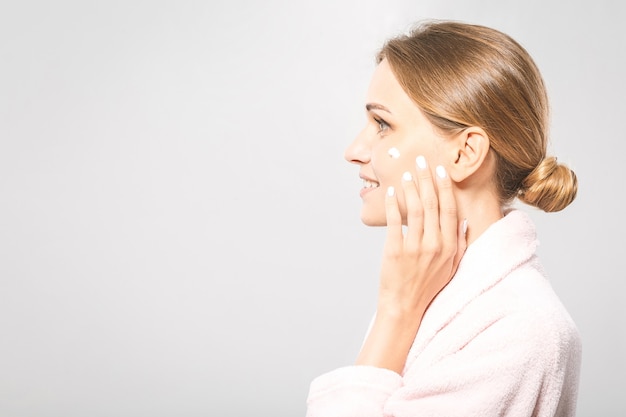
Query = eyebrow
x=372 y=106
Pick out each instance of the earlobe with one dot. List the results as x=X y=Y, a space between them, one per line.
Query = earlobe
x=470 y=149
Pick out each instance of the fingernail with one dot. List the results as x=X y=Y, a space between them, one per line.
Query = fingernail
x=391 y=191
x=421 y=162
x=407 y=176
x=464 y=226
x=441 y=171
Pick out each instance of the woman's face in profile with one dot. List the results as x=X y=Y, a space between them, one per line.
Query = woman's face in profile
x=396 y=132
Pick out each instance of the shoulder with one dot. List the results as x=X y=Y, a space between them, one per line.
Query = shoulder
x=521 y=312
x=526 y=312
x=519 y=325
x=531 y=299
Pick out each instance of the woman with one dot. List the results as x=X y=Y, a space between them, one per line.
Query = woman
x=466 y=322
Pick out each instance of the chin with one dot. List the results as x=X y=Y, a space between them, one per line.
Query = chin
x=372 y=220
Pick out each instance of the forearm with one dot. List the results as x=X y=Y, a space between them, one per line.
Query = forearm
x=390 y=339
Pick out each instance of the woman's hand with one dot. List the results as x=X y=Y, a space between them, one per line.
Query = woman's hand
x=416 y=265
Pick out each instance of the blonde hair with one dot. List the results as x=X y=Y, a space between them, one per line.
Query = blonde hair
x=463 y=75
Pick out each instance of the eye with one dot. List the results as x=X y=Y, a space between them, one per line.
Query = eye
x=382 y=125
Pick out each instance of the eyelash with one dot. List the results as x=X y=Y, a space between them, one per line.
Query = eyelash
x=382 y=125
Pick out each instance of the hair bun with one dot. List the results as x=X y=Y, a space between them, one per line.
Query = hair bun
x=550 y=186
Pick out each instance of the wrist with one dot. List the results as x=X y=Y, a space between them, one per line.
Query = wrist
x=402 y=312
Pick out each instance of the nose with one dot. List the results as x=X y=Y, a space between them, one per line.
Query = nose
x=358 y=152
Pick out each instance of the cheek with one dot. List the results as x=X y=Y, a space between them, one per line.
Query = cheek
x=389 y=169
x=390 y=162
x=393 y=152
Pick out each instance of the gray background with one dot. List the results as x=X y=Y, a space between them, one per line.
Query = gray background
x=179 y=232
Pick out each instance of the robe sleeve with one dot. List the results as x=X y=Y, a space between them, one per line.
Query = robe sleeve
x=352 y=391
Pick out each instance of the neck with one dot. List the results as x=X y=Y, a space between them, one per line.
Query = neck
x=481 y=211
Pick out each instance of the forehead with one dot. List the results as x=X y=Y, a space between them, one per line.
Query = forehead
x=384 y=89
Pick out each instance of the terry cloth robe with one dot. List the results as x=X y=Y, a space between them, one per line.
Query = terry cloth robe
x=496 y=341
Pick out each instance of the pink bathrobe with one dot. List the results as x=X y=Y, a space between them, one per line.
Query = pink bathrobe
x=495 y=342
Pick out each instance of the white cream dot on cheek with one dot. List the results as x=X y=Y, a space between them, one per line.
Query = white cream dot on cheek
x=394 y=153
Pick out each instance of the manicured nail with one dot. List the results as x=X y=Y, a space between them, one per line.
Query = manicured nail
x=441 y=171
x=407 y=176
x=464 y=226
x=391 y=191
x=421 y=162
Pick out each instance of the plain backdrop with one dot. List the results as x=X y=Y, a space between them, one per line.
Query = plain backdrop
x=179 y=232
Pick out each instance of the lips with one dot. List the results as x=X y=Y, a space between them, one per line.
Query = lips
x=369 y=184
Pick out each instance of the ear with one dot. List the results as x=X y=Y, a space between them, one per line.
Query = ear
x=468 y=152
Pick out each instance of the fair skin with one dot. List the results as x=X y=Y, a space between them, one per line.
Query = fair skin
x=425 y=197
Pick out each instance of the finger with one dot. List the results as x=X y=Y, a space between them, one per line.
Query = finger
x=414 y=213
x=448 y=217
x=428 y=198
x=394 y=221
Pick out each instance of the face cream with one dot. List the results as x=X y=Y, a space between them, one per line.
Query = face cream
x=394 y=153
